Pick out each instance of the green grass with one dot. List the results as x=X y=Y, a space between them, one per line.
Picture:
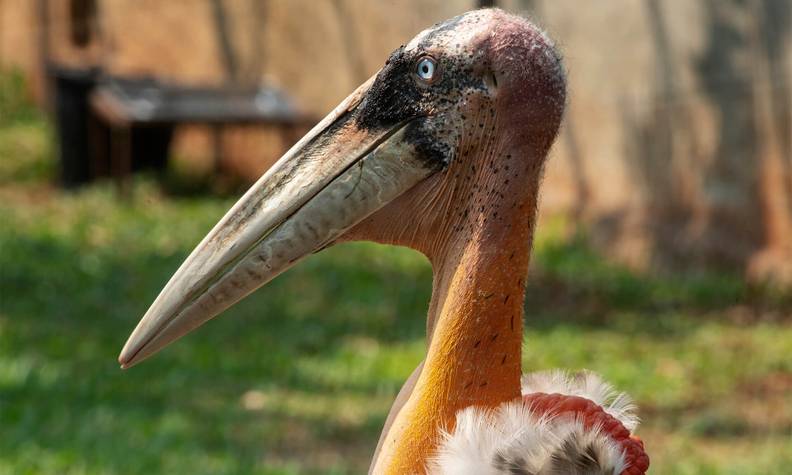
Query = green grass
x=299 y=377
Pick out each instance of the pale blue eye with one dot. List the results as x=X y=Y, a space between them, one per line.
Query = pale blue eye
x=426 y=69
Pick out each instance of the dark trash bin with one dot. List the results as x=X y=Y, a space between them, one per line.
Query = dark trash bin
x=72 y=115
x=84 y=146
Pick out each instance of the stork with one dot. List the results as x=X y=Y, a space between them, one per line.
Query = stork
x=441 y=151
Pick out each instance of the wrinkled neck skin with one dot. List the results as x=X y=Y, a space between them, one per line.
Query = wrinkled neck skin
x=475 y=336
x=475 y=223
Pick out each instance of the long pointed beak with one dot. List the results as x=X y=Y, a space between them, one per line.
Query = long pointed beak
x=333 y=178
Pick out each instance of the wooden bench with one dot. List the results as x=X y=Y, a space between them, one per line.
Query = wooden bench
x=125 y=105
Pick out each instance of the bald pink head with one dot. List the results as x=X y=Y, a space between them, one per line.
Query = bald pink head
x=490 y=115
x=513 y=59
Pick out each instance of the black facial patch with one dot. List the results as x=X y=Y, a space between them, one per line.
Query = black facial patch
x=433 y=152
x=394 y=97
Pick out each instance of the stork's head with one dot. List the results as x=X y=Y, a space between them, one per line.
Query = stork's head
x=453 y=128
x=467 y=82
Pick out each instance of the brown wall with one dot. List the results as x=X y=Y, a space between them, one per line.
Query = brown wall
x=676 y=147
x=677 y=141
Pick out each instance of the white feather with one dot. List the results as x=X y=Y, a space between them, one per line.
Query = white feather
x=481 y=434
x=483 y=442
x=512 y=436
x=584 y=384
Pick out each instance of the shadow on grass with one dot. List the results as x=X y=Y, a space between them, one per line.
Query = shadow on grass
x=570 y=283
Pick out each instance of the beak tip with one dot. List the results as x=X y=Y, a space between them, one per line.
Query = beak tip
x=127 y=362
x=123 y=361
x=127 y=357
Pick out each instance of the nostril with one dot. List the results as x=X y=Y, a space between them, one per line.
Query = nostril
x=491 y=81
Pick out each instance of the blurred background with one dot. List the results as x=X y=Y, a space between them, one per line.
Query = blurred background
x=128 y=127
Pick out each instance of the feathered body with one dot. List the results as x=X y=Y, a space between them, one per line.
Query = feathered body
x=563 y=424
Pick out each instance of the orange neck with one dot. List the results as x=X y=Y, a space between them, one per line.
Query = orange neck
x=475 y=332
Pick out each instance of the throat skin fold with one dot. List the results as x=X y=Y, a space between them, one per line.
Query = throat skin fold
x=475 y=338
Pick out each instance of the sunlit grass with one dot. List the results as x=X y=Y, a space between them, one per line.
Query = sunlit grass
x=299 y=377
